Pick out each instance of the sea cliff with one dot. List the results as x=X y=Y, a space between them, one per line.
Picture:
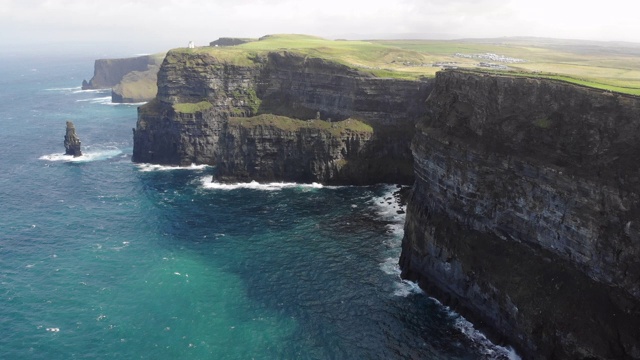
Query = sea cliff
x=524 y=213
x=309 y=100
x=131 y=79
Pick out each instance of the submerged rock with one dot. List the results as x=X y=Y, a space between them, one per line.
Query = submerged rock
x=72 y=141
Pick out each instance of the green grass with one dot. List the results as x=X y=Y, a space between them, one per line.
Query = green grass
x=192 y=108
x=337 y=128
x=376 y=59
x=599 y=65
x=543 y=123
x=594 y=64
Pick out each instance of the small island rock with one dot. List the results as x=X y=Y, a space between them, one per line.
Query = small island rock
x=71 y=141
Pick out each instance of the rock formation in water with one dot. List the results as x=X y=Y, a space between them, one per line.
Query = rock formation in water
x=71 y=141
x=525 y=213
x=131 y=79
x=198 y=115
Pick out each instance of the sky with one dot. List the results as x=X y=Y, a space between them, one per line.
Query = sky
x=157 y=25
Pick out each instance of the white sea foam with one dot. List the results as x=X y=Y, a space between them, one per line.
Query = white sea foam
x=485 y=346
x=65 y=89
x=106 y=100
x=92 y=91
x=387 y=207
x=126 y=104
x=154 y=167
x=406 y=288
x=208 y=184
x=482 y=344
x=86 y=156
x=390 y=266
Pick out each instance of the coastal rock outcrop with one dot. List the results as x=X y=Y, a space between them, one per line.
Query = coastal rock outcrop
x=131 y=79
x=72 y=141
x=525 y=212
x=272 y=148
x=190 y=121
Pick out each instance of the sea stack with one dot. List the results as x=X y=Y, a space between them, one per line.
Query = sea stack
x=71 y=141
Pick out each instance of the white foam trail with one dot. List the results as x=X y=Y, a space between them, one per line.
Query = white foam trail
x=106 y=100
x=387 y=206
x=390 y=266
x=94 y=91
x=154 y=167
x=86 y=157
x=126 y=104
x=406 y=288
x=485 y=346
x=65 y=89
x=254 y=185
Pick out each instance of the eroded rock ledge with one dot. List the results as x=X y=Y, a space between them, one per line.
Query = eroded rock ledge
x=525 y=214
x=357 y=128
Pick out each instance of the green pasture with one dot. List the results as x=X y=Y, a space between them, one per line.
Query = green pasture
x=609 y=66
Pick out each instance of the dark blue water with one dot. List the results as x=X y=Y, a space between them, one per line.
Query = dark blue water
x=100 y=258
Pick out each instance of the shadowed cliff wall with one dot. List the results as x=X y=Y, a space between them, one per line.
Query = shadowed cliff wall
x=524 y=214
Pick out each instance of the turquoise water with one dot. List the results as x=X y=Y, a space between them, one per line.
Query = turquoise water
x=102 y=258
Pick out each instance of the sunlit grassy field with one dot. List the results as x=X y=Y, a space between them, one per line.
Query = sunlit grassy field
x=610 y=66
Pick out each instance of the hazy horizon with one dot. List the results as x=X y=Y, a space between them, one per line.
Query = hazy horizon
x=144 y=26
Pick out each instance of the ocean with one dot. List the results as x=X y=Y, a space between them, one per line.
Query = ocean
x=103 y=258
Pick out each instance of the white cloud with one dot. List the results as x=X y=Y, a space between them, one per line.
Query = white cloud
x=174 y=22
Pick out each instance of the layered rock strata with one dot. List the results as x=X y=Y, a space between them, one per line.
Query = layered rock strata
x=273 y=148
x=189 y=121
x=72 y=141
x=525 y=213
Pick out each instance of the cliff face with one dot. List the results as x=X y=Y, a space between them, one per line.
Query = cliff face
x=137 y=86
x=524 y=215
x=131 y=79
x=109 y=72
x=198 y=94
x=283 y=148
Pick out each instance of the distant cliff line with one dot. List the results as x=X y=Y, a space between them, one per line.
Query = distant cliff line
x=131 y=80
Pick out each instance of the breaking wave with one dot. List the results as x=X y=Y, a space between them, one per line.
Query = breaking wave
x=105 y=100
x=207 y=183
x=86 y=156
x=484 y=345
x=154 y=167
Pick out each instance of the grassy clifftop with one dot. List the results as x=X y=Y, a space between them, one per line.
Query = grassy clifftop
x=337 y=128
x=368 y=57
x=608 y=66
